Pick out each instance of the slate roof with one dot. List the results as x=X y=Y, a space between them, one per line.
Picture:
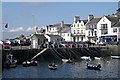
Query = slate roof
x=93 y=21
x=54 y=36
x=66 y=30
x=55 y=25
x=117 y=25
x=114 y=20
x=39 y=35
x=85 y=21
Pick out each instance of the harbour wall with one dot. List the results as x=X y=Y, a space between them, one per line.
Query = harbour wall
x=60 y=53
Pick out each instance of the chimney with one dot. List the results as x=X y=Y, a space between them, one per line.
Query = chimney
x=90 y=17
x=62 y=23
x=76 y=19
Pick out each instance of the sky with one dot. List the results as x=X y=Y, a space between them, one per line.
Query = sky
x=19 y=15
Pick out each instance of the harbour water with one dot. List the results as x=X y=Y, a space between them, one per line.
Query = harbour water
x=110 y=69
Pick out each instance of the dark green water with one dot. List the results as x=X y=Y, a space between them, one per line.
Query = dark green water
x=110 y=69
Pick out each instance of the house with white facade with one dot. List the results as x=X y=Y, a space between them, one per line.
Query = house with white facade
x=61 y=29
x=108 y=29
x=37 y=40
x=78 y=29
x=53 y=38
x=91 y=28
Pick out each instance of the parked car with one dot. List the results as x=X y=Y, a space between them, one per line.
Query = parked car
x=71 y=44
x=89 y=43
x=6 y=46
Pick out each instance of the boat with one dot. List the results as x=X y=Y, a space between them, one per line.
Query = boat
x=94 y=67
x=86 y=58
x=52 y=66
x=11 y=62
x=115 y=57
x=33 y=63
x=67 y=60
x=26 y=63
x=97 y=58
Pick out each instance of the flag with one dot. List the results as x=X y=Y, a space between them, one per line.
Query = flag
x=6 y=25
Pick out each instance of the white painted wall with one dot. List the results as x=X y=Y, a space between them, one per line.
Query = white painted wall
x=104 y=20
x=66 y=37
x=49 y=39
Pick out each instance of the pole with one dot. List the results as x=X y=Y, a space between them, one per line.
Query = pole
x=33 y=16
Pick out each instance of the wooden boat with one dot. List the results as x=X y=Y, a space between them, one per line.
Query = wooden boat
x=34 y=63
x=94 y=67
x=67 y=60
x=115 y=57
x=52 y=66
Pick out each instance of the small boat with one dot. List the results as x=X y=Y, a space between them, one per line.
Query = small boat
x=67 y=60
x=33 y=63
x=26 y=63
x=86 y=58
x=97 y=58
x=115 y=57
x=52 y=66
x=94 y=67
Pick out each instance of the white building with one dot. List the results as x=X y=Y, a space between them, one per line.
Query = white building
x=108 y=29
x=91 y=28
x=78 y=29
x=61 y=29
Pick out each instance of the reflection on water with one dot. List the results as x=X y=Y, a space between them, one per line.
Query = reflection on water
x=66 y=70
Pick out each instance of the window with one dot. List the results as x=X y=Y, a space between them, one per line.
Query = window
x=78 y=31
x=119 y=29
x=81 y=24
x=104 y=32
x=68 y=34
x=114 y=30
x=78 y=25
x=95 y=26
x=103 y=26
x=74 y=31
x=95 y=33
x=89 y=33
x=81 y=31
x=104 y=29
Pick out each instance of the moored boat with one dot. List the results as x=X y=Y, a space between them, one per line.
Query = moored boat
x=26 y=63
x=115 y=57
x=67 y=60
x=52 y=66
x=94 y=67
x=86 y=58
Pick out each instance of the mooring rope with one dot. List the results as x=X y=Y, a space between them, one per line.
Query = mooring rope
x=58 y=53
x=53 y=52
